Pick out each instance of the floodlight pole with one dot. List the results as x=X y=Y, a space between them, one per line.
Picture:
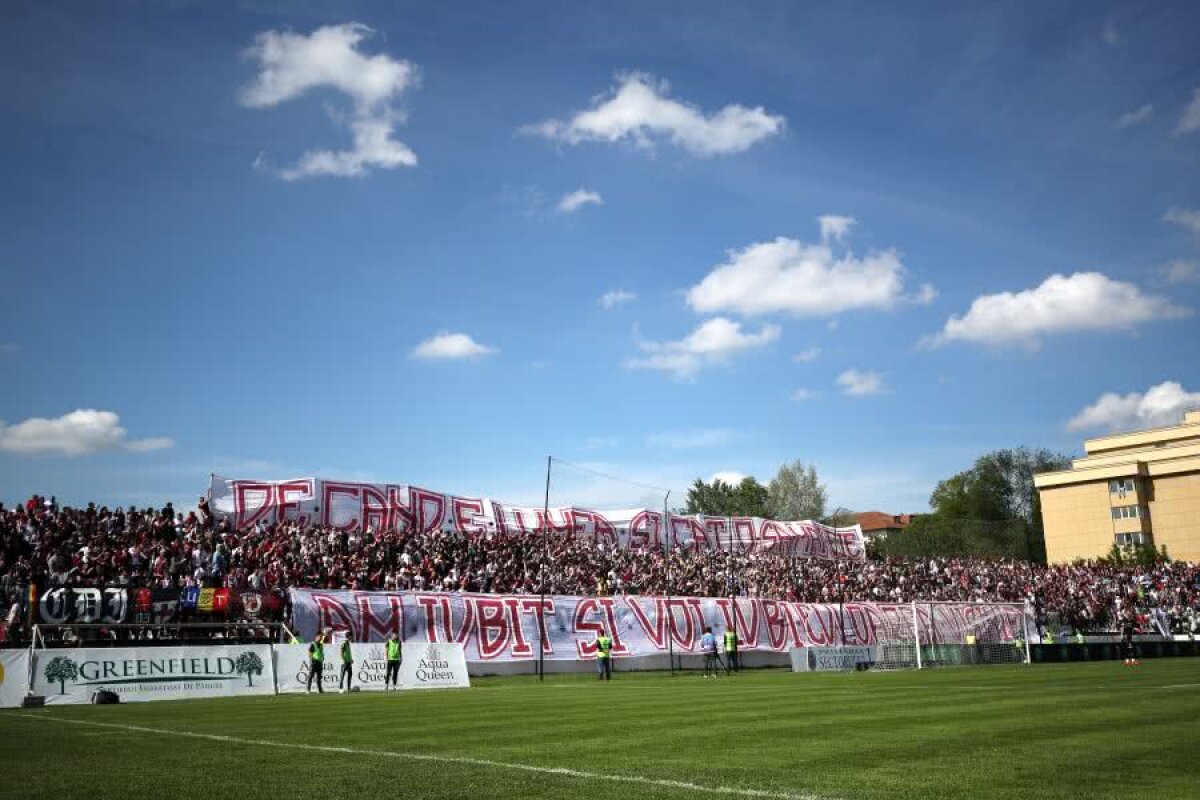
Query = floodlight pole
x=670 y=617
x=542 y=576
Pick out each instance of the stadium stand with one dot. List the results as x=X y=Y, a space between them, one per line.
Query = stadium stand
x=169 y=560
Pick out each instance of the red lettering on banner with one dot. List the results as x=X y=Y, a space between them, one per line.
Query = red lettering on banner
x=584 y=522
x=520 y=645
x=245 y=514
x=656 y=632
x=493 y=632
x=824 y=631
x=590 y=606
x=747 y=632
x=399 y=513
x=374 y=508
x=439 y=626
x=529 y=605
x=284 y=494
x=428 y=509
x=744 y=533
x=645 y=530
x=369 y=623
x=861 y=629
x=716 y=530
x=330 y=490
x=693 y=617
x=776 y=622
x=498 y=515
x=466 y=512
x=332 y=615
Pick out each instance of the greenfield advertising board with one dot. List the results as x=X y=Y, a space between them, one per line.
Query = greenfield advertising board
x=153 y=673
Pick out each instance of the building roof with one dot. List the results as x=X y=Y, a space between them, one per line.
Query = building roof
x=878 y=521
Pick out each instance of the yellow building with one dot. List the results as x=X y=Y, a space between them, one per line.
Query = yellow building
x=1131 y=488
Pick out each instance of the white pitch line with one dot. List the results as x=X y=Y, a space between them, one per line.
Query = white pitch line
x=440 y=759
x=1177 y=686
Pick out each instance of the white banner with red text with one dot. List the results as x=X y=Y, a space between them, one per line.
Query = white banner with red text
x=498 y=628
x=386 y=507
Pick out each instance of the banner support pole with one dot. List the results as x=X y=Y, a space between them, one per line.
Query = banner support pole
x=916 y=634
x=541 y=663
x=670 y=615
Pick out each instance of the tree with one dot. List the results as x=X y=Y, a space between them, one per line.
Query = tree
x=991 y=509
x=248 y=664
x=795 y=493
x=61 y=669
x=720 y=499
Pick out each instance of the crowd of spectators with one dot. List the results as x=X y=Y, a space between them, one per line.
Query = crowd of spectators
x=54 y=546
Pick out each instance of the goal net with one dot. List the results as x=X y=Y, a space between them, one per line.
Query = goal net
x=922 y=635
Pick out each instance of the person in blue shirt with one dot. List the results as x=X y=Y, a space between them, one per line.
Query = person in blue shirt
x=708 y=644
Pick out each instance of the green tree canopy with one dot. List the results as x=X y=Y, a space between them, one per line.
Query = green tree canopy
x=796 y=493
x=747 y=499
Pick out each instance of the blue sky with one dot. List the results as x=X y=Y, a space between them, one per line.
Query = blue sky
x=232 y=237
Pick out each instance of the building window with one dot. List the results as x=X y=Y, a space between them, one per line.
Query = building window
x=1128 y=512
x=1132 y=539
x=1120 y=486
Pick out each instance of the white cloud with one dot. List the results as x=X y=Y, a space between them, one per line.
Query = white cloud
x=292 y=64
x=834 y=228
x=804 y=356
x=448 y=346
x=690 y=440
x=1187 y=217
x=1083 y=301
x=600 y=443
x=801 y=395
x=729 y=478
x=804 y=279
x=858 y=383
x=616 y=297
x=1135 y=117
x=925 y=295
x=78 y=433
x=713 y=342
x=638 y=110
x=1110 y=35
x=1163 y=404
x=573 y=201
x=1190 y=121
x=1180 y=271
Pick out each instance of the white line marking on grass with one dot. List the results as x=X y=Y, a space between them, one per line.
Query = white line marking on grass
x=441 y=759
x=1177 y=686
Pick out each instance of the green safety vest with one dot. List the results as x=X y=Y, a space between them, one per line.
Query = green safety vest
x=730 y=641
x=296 y=640
x=970 y=638
x=393 y=650
x=317 y=652
x=347 y=658
x=605 y=646
x=1078 y=638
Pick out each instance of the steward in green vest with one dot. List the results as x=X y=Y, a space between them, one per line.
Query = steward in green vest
x=347 y=667
x=603 y=656
x=731 y=651
x=316 y=662
x=392 y=675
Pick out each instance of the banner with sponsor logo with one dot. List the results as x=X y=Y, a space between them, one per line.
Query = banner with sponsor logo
x=83 y=605
x=831 y=659
x=14 y=677
x=495 y=628
x=427 y=665
x=367 y=672
x=153 y=673
x=358 y=506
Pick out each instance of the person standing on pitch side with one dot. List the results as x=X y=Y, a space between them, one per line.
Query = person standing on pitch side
x=347 y=667
x=708 y=645
x=731 y=651
x=316 y=662
x=392 y=674
x=603 y=656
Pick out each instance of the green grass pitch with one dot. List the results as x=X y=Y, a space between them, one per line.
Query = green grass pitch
x=1097 y=730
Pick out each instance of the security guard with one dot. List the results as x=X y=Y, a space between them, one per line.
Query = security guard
x=731 y=651
x=316 y=662
x=393 y=663
x=603 y=656
x=347 y=667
